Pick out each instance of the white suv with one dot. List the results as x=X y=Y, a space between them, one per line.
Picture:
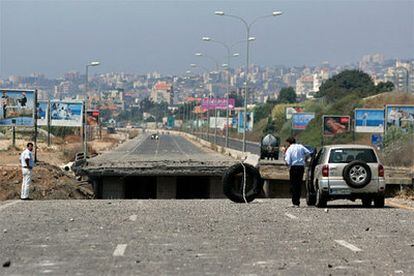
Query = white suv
x=345 y=172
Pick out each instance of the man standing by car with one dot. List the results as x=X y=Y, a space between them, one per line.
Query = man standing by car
x=27 y=162
x=295 y=157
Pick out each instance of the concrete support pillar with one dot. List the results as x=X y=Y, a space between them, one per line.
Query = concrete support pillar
x=166 y=187
x=113 y=187
x=216 y=187
x=266 y=188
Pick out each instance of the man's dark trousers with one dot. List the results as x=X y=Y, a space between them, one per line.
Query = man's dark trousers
x=296 y=178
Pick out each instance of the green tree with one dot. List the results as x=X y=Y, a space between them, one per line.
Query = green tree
x=237 y=98
x=287 y=95
x=385 y=87
x=270 y=126
x=345 y=83
x=262 y=111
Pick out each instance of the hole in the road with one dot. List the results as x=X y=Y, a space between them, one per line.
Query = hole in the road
x=193 y=187
x=141 y=187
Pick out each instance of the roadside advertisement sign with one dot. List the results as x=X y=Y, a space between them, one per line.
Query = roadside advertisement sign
x=249 y=121
x=334 y=124
x=301 y=120
x=42 y=113
x=401 y=116
x=376 y=140
x=291 y=110
x=234 y=123
x=217 y=103
x=170 y=121
x=66 y=113
x=369 y=120
x=17 y=107
x=221 y=122
x=92 y=117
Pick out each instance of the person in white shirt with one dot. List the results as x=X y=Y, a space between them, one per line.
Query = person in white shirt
x=27 y=162
x=295 y=157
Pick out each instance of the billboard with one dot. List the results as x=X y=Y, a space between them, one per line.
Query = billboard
x=17 y=107
x=334 y=124
x=369 y=120
x=401 y=116
x=291 y=110
x=377 y=140
x=221 y=122
x=42 y=113
x=217 y=103
x=92 y=117
x=66 y=113
x=301 y=120
x=249 y=121
x=170 y=121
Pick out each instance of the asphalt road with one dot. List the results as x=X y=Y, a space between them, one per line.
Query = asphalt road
x=236 y=144
x=202 y=237
x=168 y=147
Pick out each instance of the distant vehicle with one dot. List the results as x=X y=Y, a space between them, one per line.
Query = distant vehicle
x=155 y=136
x=269 y=147
x=345 y=172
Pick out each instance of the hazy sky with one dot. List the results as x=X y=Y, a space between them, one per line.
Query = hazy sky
x=57 y=36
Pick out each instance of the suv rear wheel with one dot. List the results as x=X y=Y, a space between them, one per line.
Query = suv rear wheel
x=366 y=201
x=379 y=201
x=321 y=198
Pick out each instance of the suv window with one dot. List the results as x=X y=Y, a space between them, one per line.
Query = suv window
x=349 y=155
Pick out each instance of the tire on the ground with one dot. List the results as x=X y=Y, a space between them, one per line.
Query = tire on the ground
x=350 y=181
x=233 y=183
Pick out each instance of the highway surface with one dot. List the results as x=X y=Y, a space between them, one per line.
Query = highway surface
x=170 y=154
x=236 y=144
x=203 y=237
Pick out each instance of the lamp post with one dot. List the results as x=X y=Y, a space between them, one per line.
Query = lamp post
x=215 y=110
x=209 y=100
x=228 y=48
x=246 y=79
x=84 y=134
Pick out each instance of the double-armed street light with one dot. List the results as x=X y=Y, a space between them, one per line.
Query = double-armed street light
x=229 y=56
x=193 y=65
x=86 y=105
x=248 y=28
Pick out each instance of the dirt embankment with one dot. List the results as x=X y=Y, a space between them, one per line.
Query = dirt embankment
x=49 y=180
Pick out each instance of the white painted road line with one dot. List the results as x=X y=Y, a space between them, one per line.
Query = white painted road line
x=120 y=250
x=348 y=245
x=4 y=206
x=291 y=216
x=133 y=217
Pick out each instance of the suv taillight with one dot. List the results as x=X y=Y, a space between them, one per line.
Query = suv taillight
x=325 y=170
x=381 y=171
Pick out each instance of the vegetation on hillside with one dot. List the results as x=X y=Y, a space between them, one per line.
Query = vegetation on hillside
x=340 y=95
x=351 y=82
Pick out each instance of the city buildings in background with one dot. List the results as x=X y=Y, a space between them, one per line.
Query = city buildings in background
x=120 y=91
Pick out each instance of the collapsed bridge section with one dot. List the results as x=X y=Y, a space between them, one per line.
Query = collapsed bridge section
x=164 y=167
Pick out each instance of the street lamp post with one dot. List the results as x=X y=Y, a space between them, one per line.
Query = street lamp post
x=208 y=103
x=246 y=79
x=85 y=105
x=228 y=81
x=215 y=109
